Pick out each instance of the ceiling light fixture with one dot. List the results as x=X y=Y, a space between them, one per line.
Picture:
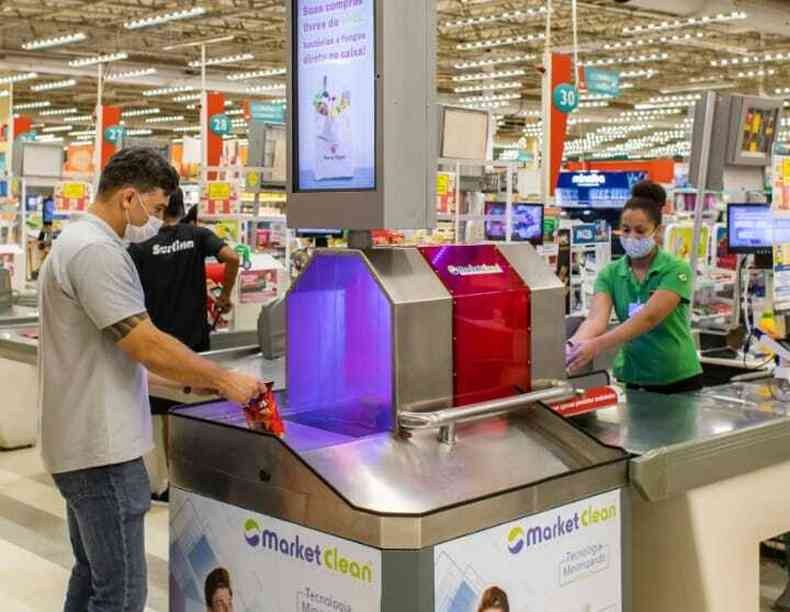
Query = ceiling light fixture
x=754 y=74
x=59 y=112
x=54 y=85
x=488 y=87
x=56 y=41
x=498 y=61
x=163 y=91
x=227 y=59
x=57 y=128
x=140 y=112
x=165 y=119
x=140 y=132
x=156 y=20
x=99 y=59
x=256 y=74
x=83 y=133
x=131 y=74
x=32 y=105
x=686 y=23
x=483 y=76
x=78 y=118
x=632 y=59
x=188 y=97
x=753 y=59
x=16 y=78
x=190 y=128
x=261 y=88
x=490 y=43
x=486 y=19
x=491 y=98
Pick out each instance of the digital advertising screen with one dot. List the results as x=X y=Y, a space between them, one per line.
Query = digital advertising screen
x=596 y=189
x=759 y=131
x=334 y=91
x=527 y=222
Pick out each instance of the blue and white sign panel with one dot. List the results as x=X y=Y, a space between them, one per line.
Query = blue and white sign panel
x=604 y=82
x=596 y=189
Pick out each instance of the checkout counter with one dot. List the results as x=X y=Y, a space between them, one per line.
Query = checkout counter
x=431 y=492
x=18 y=425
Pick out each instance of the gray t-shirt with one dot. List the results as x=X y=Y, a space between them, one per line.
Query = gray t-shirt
x=93 y=398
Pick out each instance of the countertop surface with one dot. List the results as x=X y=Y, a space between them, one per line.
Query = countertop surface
x=18 y=315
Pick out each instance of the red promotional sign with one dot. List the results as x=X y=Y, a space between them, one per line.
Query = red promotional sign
x=592 y=400
x=110 y=117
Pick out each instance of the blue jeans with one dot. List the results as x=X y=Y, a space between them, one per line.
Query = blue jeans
x=106 y=509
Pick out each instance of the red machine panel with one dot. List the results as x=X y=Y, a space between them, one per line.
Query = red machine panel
x=491 y=321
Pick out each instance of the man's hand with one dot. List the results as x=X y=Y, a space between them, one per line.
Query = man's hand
x=241 y=388
x=224 y=304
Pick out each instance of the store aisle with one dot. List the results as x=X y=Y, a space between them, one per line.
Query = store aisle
x=35 y=557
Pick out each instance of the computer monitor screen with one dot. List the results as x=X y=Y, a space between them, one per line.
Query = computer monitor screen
x=752 y=228
x=527 y=222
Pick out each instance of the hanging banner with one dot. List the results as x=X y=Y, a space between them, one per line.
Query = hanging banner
x=561 y=73
x=569 y=558
x=215 y=110
x=603 y=82
x=227 y=558
x=266 y=112
x=109 y=125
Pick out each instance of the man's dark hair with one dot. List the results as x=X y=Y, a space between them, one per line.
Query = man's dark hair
x=175 y=205
x=650 y=191
x=191 y=216
x=140 y=167
x=216 y=580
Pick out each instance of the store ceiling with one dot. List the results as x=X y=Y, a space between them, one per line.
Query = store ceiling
x=258 y=29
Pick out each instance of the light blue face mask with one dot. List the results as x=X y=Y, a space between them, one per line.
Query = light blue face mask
x=638 y=248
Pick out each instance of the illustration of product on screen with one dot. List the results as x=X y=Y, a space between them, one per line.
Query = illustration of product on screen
x=334 y=144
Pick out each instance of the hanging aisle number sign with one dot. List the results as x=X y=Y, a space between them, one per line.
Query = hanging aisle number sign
x=566 y=98
x=219 y=124
x=115 y=133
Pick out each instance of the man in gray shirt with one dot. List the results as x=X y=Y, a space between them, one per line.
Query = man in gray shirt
x=97 y=347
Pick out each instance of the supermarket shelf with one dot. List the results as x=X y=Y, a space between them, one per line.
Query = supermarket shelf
x=243 y=217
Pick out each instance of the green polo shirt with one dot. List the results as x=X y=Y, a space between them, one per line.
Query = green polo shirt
x=667 y=353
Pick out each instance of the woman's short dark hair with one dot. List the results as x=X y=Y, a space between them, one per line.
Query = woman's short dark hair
x=216 y=580
x=650 y=191
x=140 y=167
x=175 y=205
x=494 y=598
x=647 y=206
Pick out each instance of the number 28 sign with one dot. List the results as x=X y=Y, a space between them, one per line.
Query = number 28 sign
x=219 y=124
x=566 y=98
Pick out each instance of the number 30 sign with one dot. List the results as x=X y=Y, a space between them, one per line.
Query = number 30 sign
x=566 y=98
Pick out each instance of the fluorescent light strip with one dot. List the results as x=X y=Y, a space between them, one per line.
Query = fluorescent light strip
x=188 y=97
x=633 y=59
x=58 y=112
x=636 y=74
x=486 y=19
x=483 y=76
x=57 y=128
x=141 y=132
x=488 y=87
x=78 y=118
x=754 y=74
x=687 y=98
x=168 y=90
x=228 y=59
x=130 y=74
x=54 y=85
x=685 y=23
x=753 y=59
x=260 y=88
x=500 y=42
x=597 y=104
x=486 y=105
x=491 y=98
x=99 y=59
x=235 y=112
x=57 y=41
x=83 y=133
x=165 y=119
x=156 y=20
x=141 y=112
x=497 y=61
x=16 y=78
x=32 y=105
x=191 y=128
x=257 y=74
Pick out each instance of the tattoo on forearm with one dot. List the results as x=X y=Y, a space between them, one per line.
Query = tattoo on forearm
x=121 y=329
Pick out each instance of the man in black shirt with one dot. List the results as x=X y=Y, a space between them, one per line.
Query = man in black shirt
x=172 y=270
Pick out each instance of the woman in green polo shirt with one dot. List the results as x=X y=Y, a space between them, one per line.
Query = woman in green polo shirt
x=649 y=290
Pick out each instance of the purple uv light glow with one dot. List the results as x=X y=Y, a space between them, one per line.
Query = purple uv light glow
x=340 y=366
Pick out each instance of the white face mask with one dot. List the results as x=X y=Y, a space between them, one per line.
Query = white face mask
x=638 y=248
x=140 y=233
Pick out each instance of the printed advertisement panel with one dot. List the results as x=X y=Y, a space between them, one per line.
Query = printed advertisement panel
x=251 y=562
x=335 y=94
x=596 y=189
x=566 y=559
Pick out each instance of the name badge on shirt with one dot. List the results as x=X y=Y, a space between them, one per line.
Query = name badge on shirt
x=633 y=309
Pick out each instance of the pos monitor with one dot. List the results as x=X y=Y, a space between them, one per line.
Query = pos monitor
x=754 y=229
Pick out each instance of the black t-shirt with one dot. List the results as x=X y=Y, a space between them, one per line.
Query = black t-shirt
x=173 y=274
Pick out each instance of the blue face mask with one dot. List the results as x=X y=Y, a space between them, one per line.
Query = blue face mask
x=638 y=248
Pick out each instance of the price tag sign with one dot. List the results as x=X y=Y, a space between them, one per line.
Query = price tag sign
x=442 y=184
x=219 y=190
x=219 y=124
x=114 y=133
x=566 y=98
x=252 y=180
x=74 y=190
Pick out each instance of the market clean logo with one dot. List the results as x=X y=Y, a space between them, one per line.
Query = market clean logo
x=518 y=538
x=329 y=559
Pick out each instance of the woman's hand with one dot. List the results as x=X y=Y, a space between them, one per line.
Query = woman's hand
x=581 y=353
